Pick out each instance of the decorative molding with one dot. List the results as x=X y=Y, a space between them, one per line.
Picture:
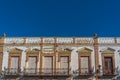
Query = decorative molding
x=70 y=41
x=14 y=40
x=15 y=50
x=65 y=40
x=64 y=50
x=84 y=50
x=48 y=49
x=108 y=50
x=33 y=40
x=84 y=40
x=32 y=51
x=48 y=40
x=106 y=41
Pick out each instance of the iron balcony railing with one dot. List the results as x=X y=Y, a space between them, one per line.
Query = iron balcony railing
x=12 y=71
x=47 y=71
x=37 y=71
x=63 y=71
x=85 y=71
x=110 y=71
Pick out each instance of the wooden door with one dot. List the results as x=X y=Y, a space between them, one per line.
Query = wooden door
x=64 y=64
x=14 y=67
x=32 y=64
x=84 y=65
x=108 y=64
x=48 y=65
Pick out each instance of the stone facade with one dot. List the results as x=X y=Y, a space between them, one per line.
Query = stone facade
x=91 y=58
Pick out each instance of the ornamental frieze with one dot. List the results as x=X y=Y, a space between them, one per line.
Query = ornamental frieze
x=84 y=40
x=64 y=50
x=48 y=40
x=48 y=49
x=65 y=40
x=106 y=40
x=14 y=40
x=60 y=41
x=33 y=40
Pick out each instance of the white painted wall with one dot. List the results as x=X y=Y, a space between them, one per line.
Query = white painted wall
x=23 y=62
x=74 y=60
x=5 y=60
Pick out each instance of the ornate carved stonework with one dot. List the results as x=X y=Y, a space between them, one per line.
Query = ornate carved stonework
x=33 y=40
x=65 y=40
x=48 y=49
x=64 y=50
x=107 y=50
x=84 y=50
x=106 y=40
x=48 y=40
x=32 y=51
x=14 y=40
x=84 y=40
x=8 y=48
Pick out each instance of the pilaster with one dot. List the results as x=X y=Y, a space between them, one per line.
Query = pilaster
x=96 y=54
x=1 y=51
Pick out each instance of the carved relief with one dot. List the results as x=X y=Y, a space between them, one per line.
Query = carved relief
x=48 y=40
x=84 y=50
x=84 y=40
x=64 y=50
x=33 y=40
x=35 y=50
x=48 y=49
x=106 y=40
x=65 y=40
x=14 y=40
x=107 y=50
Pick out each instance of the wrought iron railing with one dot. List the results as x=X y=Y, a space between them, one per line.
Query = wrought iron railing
x=52 y=72
x=63 y=71
x=31 y=71
x=12 y=71
x=110 y=71
x=85 y=71
x=37 y=71
x=47 y=71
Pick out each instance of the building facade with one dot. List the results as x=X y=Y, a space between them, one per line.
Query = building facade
x=60 y=58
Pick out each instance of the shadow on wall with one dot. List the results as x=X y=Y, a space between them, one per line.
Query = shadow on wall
x=118 y=77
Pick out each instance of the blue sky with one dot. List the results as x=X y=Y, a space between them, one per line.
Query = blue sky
x=60 y=17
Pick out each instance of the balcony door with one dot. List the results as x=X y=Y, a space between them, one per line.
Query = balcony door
x=64 y=64
x=84 y=63
x=32 y=64
x=108 y=64
x=14 y=64
x=48 y=65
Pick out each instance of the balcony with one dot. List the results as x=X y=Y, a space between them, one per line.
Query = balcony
x=84 y=73
x=47 y=71
x=11 y=73
x=107 y=74
x=63 y=71
x=37 y=72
